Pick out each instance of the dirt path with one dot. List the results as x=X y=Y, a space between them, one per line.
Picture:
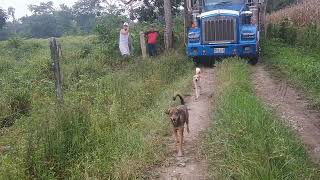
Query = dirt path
x=191 y=165
x=291 y=107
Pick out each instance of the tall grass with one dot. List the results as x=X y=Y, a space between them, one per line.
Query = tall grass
x=293 y=45
x=111 y=124
x=297 y=25
x=302 y=14
x=301 y=67
x=246 y=140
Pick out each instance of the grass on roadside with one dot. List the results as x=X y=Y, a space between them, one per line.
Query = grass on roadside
x=111 y=125
x=246 y=140
x=302 y=67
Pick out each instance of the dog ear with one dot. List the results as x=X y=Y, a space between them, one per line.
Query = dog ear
x=167 y=111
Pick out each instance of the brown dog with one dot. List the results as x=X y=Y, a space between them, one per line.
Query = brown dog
x=179 y=116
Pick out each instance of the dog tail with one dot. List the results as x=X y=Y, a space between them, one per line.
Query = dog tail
x=181 y=99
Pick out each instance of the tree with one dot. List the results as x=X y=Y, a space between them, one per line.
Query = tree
x=11 y=12
x=3 y=18
x=168 y=18
x=150 y=10
x=91 y=7
x=85 y=12
x=167 y=5
x=43 y=8
x=65 y=20
x=40 y=26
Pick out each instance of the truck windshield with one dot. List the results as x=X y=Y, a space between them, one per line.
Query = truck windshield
x=222 y=2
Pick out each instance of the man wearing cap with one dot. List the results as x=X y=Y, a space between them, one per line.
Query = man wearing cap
x=124 y=40
x=152 y=36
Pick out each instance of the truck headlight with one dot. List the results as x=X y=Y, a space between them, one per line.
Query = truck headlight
x=248 y=36
x=194 y=37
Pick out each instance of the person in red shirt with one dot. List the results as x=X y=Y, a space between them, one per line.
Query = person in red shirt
x=152 y=36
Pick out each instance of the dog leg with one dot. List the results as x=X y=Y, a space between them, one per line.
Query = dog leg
x=182 y=132
x=187 y=122
x=188 y=128
x=197 y=91
x=176 y=136
x=180 y=144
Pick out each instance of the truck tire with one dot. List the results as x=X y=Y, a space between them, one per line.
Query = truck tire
x=196 y=61
x=253 y=61
x=211 y=62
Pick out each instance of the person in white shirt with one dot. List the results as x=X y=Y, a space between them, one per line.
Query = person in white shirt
x=124 y=40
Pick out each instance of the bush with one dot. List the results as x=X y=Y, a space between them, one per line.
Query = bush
x=297 y=25
x=14 y=43
x=307 y=38
x=310 y=37
x=57 y=145
x=285 y=31
x=15 y=104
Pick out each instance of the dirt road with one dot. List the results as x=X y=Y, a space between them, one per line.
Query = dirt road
x=291 y=107
x=191 y=165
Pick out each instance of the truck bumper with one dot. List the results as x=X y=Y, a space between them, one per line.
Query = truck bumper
x=249 y=50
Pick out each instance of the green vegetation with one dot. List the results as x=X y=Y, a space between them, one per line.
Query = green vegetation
x=111 y=124
x=82 y=17
x=305 y=38
x=246 y=140
x=294 y=50
x=3 y=18
x=299 y=65
x=274 y=5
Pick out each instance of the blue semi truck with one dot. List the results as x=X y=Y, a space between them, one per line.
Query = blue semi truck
x=223 y=28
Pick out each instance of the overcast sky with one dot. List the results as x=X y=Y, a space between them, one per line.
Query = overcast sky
x=21 y=6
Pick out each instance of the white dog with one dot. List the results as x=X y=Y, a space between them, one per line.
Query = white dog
x=196 y=82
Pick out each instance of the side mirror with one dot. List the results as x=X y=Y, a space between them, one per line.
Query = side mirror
x=247 y=13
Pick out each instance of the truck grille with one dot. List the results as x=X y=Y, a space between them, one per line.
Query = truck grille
x=220 y=29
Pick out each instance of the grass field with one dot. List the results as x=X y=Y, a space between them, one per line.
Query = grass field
x=299 y=65
x=246 y=141
x=111 y=124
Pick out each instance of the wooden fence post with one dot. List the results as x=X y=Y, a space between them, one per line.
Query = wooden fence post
x=143 y=45
x=55 y=48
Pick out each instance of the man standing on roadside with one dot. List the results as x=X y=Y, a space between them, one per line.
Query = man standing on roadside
x=124 y=40
x=152 y=36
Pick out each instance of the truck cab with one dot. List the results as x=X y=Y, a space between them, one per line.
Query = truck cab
x=223 y=28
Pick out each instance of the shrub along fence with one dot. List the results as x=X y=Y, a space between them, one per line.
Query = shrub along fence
x=307 y=37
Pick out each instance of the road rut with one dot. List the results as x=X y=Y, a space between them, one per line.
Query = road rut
x=291 y=106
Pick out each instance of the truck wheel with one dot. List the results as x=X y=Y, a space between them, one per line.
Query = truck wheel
x=211 y=62
x=196 y=61
x=253 y=61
